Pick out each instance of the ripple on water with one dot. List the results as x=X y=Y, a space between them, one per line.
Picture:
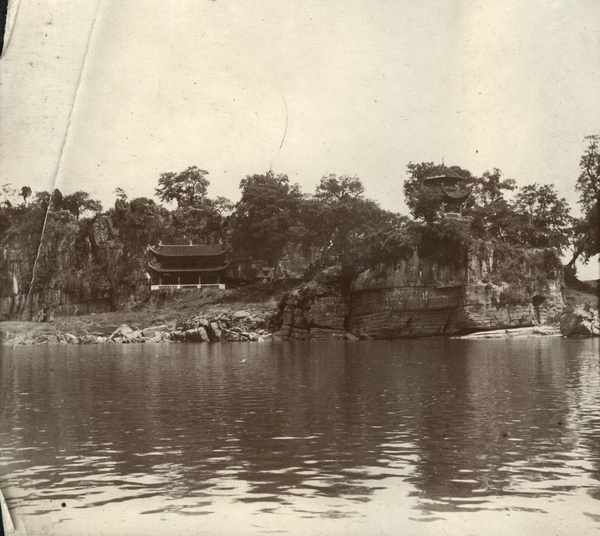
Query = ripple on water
x=317 y=431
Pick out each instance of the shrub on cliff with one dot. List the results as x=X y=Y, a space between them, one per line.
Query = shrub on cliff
x=392 y=243
x=446 y=242
x=521 y=271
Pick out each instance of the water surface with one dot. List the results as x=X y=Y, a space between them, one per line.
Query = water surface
x=431 y=436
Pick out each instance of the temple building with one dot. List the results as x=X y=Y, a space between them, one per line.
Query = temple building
x=193 y=266
x=451 y=198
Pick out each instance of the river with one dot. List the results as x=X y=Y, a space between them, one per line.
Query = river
x=432 y=436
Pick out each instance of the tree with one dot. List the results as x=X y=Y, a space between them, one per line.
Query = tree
x=586 y=237
x=205 y=223
x=45 y=199
x=8 y=193
x=338 y=221
x=80 y=202
x=120 y=194
x=542 y=218
x=489 y=187
x=588 y=182
x=496 y=220
x=25 y=193
x=341 y=213
x=586 y=230
x=493 y=216
x=266 y=216
x=337 y=188
x=187 y=187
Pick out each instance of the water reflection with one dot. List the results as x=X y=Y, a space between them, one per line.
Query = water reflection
x=311 y=430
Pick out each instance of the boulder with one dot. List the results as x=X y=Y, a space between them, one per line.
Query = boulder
x=71 y=339
x=214 y=332
x=160 y=328
x=52 y=339
x=179 y=336
x=123 y=331
x=580 y=321
x=228 y=335
x=197 y=335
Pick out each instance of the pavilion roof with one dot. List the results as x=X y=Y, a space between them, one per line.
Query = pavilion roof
x=443 y=177
x=161 y=270
x=455 y=196
x=197 y=250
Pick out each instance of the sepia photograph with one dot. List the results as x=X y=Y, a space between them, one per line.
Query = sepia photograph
x=304 y=268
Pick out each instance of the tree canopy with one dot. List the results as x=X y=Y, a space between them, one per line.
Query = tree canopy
x=334 y=188
x=266 y=216
x=338 y=219
x=25 y=193
x=588 y=182
x=586 y=230
x=79 y=202
x=188 y=188
x=543 y=218
x=490 y=186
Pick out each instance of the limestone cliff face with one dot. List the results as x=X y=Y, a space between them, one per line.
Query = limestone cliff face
x=318 y=311
x=37 y=269
x=421 y=297
x=62 y=271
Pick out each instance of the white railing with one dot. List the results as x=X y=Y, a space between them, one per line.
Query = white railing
x=220 y=286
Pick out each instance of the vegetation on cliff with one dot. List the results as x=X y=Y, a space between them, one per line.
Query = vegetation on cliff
x=52 y=241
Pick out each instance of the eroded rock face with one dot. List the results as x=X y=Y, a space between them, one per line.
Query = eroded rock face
x=580 y=322
x=65 y=249
x=420 y=298
x=314 y=313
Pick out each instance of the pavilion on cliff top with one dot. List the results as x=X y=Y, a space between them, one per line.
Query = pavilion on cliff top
x=191 y=266
x=445 y=184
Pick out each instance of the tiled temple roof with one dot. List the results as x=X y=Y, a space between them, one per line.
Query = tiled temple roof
x=167 y=270
x=198 y=250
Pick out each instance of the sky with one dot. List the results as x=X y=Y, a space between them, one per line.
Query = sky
x=101 y=94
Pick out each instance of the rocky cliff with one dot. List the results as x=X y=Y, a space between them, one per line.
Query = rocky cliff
x=65 y=269
x=494 y=287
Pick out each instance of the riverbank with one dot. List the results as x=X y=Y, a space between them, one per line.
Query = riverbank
x=246 y=313
x=251 y=313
